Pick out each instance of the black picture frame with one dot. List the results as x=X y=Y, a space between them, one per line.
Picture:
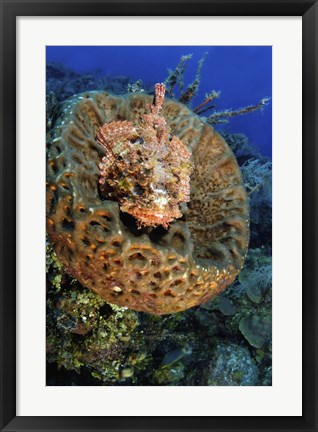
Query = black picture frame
x=10 y=9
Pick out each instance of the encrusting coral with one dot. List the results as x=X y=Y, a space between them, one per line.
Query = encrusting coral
x=155 y=270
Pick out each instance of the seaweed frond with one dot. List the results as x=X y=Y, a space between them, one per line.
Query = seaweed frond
x=223 y=116
x=192 y=88
x=175 y=76
x=209 y=97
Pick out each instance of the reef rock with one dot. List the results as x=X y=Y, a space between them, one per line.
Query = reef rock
x=232 y=366
x=153 y=269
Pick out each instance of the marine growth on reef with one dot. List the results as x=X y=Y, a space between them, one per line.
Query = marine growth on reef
x=167 y=227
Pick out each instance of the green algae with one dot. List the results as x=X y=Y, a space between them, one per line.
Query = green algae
x=170 y=375
x=53 y=268
x=83 y=331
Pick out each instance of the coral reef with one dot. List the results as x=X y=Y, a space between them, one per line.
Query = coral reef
x=232 y=365
x=240 y=146
x=257 y=281
x=51 y=105
x=84 y=331
x=136 y=87
x=257 y=174
x=109 y=345
x=258 y=182
x=144 y=169
x=65 y=82
x=91 y=341
x=170 y=376
x=256 y=329
x=161 y=271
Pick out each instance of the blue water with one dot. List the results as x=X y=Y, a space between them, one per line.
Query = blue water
x=242 y=74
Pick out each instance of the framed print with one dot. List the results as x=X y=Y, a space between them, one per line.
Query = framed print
x=144 y=262
x=163 y=158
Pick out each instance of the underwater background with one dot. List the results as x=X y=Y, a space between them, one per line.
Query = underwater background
x=225 y=342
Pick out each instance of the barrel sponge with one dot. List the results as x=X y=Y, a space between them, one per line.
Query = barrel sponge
x=158 y=271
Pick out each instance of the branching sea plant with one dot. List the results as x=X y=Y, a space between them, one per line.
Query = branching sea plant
x=193 y=88
x=257 y=174
x=223 y=115
x=176 y=78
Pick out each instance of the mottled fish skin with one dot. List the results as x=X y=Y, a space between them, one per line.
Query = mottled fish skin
x=145 y=169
